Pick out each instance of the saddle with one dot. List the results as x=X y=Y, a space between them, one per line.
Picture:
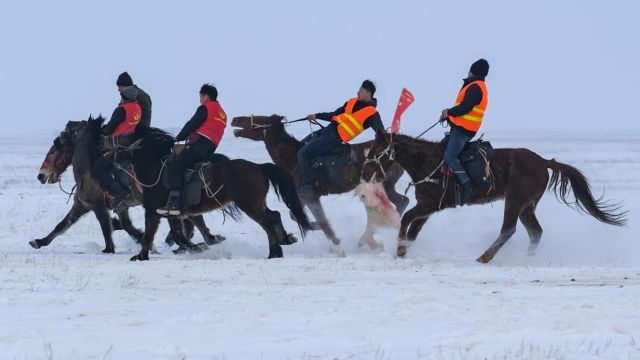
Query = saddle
x=195 y=178
x=475 y=158
x=329 y=167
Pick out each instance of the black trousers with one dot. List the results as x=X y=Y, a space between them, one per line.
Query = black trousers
x=200 y=151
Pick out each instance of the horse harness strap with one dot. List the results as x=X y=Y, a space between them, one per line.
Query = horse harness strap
x=427 y=179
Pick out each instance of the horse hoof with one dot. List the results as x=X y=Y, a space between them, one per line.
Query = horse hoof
x=485 y=258
x=198 y=248
x=34 y=244
x=401 y=251
x=140 y=257
x=290 y=239
x=215 y=239
x=109 y=251
x=180 y=250
x=169 y=240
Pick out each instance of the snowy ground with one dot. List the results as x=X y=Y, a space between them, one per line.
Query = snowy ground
x=578 y=298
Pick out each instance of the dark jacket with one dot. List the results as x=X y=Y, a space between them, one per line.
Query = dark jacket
x=117 y=117
x=145 y=104
x=472 y=97
x=374 y=121
x=203 y=146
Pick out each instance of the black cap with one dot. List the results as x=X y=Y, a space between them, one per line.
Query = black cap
x=368 y=85
x=124 y=80
x=208 y=89
x=480 y=68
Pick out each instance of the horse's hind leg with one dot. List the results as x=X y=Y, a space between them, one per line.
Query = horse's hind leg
x=76 y=212
x=264 y=217
x=318 y=213
x=210 y=239
x=512 y=210
x=530 y=222
x=179 y=230
x=135 y=233
x=187 y=230
x=282 y=237
x=102 y=214
x=419 y=213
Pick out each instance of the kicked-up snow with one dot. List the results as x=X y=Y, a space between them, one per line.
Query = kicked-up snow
x=577 y=298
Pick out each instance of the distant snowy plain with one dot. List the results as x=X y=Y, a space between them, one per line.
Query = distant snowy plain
x=577 y=298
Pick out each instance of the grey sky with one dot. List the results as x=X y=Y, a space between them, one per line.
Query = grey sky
x=555 y=65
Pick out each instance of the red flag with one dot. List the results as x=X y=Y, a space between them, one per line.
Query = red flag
x=406 y=98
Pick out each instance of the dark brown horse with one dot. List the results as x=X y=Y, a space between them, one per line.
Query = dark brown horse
x=520 y=177
x=77 y=146
x=238 y=183
x=283 y=149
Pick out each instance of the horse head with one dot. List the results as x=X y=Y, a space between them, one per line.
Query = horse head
x=379 y=157
x=255 y=127
x=60 y=153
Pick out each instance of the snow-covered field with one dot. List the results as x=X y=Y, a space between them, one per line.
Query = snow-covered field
x=578 y=298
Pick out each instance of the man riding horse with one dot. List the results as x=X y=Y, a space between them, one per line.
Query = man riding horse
x=203 y=132
x=123 y=82
x=465 y=118
x=121 y=131
x=347 y=122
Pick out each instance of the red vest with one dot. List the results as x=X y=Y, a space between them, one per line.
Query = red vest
x=133 y=114
x=213 y=127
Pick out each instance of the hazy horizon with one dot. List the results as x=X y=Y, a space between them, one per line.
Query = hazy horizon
x=555 y=66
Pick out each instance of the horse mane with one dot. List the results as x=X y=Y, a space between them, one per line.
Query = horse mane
x=414 y=145
x=283 y=135
x=157 y=139
x=91 y=137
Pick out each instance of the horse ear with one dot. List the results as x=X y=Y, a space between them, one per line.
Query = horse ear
x=381 y=134
x=90 y=117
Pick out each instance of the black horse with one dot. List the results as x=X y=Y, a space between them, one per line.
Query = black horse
x=78 y=145
x=233 y=184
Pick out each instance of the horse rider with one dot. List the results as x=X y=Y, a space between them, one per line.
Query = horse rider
x=124 y=80
x=347 y=122
x=465 y=118
x=203 y=134
x=120 y=129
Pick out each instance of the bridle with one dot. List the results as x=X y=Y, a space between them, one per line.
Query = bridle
x=389 y=151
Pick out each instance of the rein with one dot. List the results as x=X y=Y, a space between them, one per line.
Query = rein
x=135 y=146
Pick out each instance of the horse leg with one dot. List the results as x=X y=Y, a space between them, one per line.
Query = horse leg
x=400 y=201
x=151 y=223
x=209 y=238
x=530 y=222
x=265 y=218
x=102 y=214
x=187 y=232
x=415 y=227
x=180 y=229
x=314 y=224
x=75 y=213
x=135 y=233
x=318 y=213
x=512 y=210
x=420 y=211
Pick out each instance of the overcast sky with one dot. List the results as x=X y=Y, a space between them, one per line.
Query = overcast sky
x=555 y=65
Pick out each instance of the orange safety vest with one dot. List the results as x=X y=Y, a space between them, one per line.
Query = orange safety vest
x=133 y=114
x=472 y=120
x=351 y=124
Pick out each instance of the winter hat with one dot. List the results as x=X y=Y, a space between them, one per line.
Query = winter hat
x=480 y=68
x=129 y=93
x=124 y=79
x=368 y=85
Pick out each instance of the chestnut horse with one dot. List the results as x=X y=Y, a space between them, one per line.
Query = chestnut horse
x=283 y=149
x=519 y=176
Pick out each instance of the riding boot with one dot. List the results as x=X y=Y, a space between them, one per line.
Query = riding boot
x=467 y=192
x=173 y=204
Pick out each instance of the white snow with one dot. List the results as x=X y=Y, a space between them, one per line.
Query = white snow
x=578 y=298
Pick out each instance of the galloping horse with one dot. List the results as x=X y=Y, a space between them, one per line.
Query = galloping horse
x=520 y=177
x=237 y=183
x=283 y=148
x=78 y=146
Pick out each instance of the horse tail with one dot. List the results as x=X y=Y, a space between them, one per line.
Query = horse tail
x=286 y=189
x=564 y=175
